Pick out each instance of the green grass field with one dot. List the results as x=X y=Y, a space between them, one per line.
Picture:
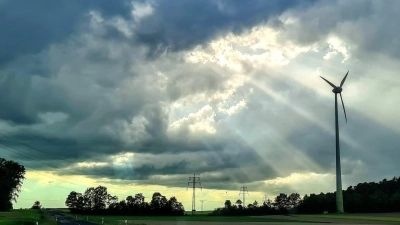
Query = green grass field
x=25 y=217
x=353 y=217
x=198 y=213
x=108 y=220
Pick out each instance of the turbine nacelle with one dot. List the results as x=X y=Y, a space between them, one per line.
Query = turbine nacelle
x=337 y=90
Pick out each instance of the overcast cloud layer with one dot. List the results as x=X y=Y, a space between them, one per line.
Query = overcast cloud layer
x=149 y=92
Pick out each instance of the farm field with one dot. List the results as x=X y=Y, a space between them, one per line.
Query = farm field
x=377 y=217
x=199 y=219
x=189 y=213
x=371 y=218
x=203 y=219
x=25 y=217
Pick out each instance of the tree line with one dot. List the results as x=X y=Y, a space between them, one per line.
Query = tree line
x=366 y=197
x=97 y=200
x=383 y=196
x=281 y=205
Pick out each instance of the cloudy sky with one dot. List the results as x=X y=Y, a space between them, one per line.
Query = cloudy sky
x=139 y=95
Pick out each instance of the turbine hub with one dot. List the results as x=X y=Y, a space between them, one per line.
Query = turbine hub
x=337 y=90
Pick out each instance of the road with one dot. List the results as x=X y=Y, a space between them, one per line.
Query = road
x=64 y=220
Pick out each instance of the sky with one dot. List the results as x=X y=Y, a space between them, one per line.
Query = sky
x=138 y=96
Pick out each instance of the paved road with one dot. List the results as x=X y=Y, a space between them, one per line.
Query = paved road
x=66 y=220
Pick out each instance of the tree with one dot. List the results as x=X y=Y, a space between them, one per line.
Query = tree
x=294 y=200
x=97 y=199
x=281 y=201
x=138 y=201
x=75 y=201
x=36 y=205
x=158 y=203
x=239 y=202
x=228 y=204
x=12 y=175
x=129 y=202
x=268 y=203
x=175 y=208
x=255 y=203
x=395 y=201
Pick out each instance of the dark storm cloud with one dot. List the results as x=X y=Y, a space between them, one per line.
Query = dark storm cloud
x=184 y=24
x=47 y=146
x=29 y=26
x=22 y=97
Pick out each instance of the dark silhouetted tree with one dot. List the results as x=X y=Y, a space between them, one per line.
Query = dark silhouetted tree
x=36 y=205
x=175 y=208
x=12 y=175
x=293 y=200
x=228 y=204
x=138 y=201
x=75 y=202
x=269 y=203
x=98 y=199
x=281 y=202
x=158 y=203
x=130 y=202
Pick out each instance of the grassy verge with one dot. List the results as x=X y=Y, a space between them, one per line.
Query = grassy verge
x=350 y=217
x=26 y=217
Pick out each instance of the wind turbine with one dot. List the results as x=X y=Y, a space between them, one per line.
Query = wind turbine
x=339 y=194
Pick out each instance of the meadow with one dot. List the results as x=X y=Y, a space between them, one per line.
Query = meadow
x=26 y=217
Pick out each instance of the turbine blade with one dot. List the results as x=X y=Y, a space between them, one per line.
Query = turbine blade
x=341 y=84
x=329 y=82
x=344 y=110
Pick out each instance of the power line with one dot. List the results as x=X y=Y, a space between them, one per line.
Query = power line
x=2 y=146
x=26 y=199
x=244 y=191
x=51 y=156
x=47 y=184
x=24 y=155
x=45 y=153
x=46 y=164
x=96 y=173
x=194 y=180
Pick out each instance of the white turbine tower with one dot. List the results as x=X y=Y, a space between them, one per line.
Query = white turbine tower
x=339 y=195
